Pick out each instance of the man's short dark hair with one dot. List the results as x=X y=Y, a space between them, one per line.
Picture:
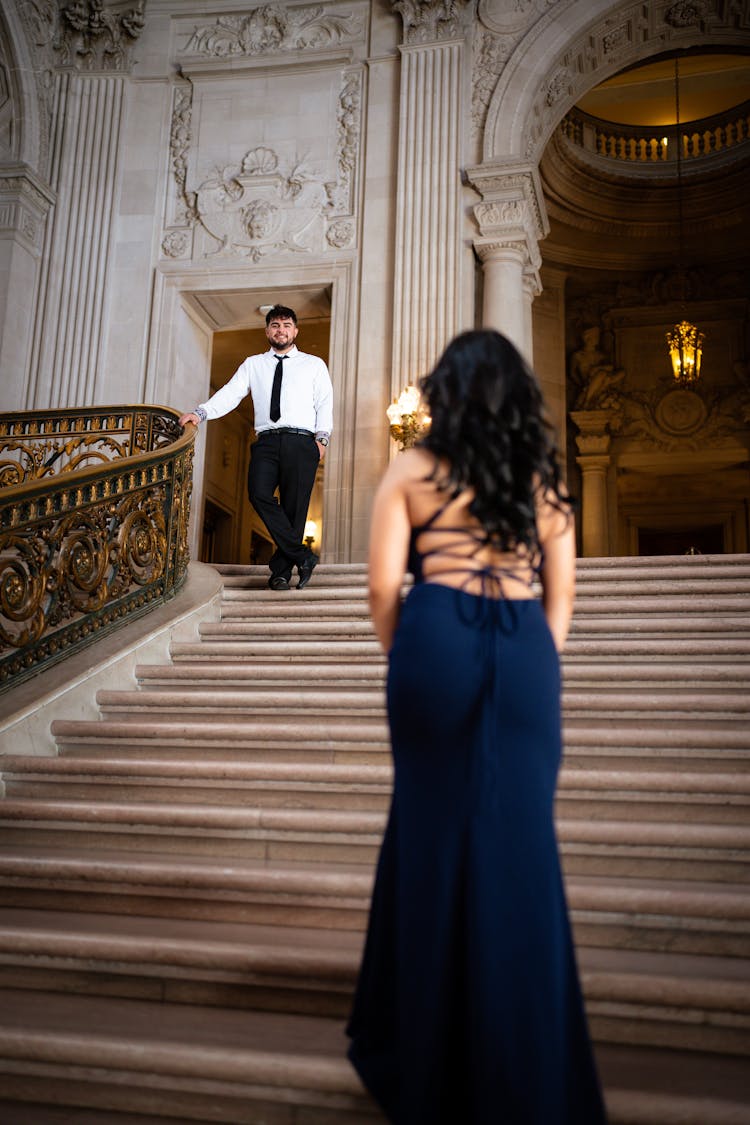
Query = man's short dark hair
x=280 y=312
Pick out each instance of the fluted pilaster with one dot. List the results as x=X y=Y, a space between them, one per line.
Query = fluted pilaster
x=69 y=325
x=427 y=282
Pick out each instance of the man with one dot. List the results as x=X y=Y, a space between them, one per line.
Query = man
x=293 y=404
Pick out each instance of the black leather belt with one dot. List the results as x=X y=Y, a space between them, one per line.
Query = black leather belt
x=286 y=430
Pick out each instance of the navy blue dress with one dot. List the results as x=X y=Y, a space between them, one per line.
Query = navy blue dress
x=468 y=1009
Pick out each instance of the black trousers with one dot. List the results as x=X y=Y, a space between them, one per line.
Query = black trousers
x=287 y=462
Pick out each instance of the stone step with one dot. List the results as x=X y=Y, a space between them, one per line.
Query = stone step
x=652 y=564
x=610 y=911
x=287 y=629
x=641 y=747
x=347 y=627
x=335 y=703
x=613 y=647
x=229 y=676
x=697 y=851
x=633 y=996
x=589 y=594
x=187 y=1061
x=240 y=1068
x=339 y=731
x=596 y=794
x=654 y=626
x=616 y=567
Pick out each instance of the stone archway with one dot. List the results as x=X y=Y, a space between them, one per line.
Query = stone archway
x=545 y=61
x=564 y=54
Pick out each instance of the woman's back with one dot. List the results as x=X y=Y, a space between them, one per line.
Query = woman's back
x=449 y=546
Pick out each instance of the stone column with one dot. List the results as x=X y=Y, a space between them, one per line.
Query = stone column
x=593 y=443
x=511 y=220
x=427 y=282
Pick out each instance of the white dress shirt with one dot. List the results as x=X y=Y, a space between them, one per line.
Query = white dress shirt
x=306 y=392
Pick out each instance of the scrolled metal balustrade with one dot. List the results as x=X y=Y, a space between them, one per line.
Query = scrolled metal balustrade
x=94 y=510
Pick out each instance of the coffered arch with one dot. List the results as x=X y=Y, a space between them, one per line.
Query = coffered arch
x=565 y=54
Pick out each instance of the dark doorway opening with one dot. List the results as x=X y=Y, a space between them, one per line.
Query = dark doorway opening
x=707 y=540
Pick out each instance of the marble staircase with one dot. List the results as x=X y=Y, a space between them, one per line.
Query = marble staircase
x=183 y=888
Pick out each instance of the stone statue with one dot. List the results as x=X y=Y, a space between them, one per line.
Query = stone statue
x=592 y=376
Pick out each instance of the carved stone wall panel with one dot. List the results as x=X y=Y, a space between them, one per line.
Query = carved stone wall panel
x=234 y=192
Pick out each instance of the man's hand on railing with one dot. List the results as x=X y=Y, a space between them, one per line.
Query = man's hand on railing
x=189 y=417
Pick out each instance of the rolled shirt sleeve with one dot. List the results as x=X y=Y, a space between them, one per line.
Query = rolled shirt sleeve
x=323 y=400
x=230 y=395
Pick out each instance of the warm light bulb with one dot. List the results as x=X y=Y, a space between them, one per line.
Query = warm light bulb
x=408 y=400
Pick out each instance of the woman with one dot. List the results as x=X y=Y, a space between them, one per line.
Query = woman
x=468 y=1007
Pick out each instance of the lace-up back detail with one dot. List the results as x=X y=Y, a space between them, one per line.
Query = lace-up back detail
x=458 y=555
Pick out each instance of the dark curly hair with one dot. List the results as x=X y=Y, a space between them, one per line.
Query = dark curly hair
x=280 y=312
x=490 y=425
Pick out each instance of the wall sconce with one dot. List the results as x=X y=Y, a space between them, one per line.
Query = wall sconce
x=311 y=531
x=407 y=418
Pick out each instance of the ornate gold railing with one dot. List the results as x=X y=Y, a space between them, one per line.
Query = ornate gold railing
x=657 y=144
x=94 y=509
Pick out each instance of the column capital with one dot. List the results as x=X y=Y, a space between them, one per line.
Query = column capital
x=503 y=184
x=25 y=201
x=431 y=21
x=511 y=212
x=593 y=438
x=91 y=38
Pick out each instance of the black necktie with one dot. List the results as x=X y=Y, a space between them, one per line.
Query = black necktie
x=275 y=412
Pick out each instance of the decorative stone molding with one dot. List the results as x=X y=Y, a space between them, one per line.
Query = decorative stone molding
x=426 y=21
x=686 y=13
x=349 y=122
x=340 y=234
x=491 y=52
x=265 y=205
x=94 y=39
x=672 y=419
x=502 y=17
x=272 y=29
x=176 y=243
x=180 y=139
x=7 y=112
x=24 y=204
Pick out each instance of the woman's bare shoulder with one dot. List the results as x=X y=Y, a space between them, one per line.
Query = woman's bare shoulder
x=411 y=465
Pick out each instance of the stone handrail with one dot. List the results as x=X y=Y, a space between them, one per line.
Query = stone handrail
x=94 y=510
x=655 y=144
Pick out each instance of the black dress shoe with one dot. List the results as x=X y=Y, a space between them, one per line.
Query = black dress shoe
x=306 y=569
x=278 y=582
